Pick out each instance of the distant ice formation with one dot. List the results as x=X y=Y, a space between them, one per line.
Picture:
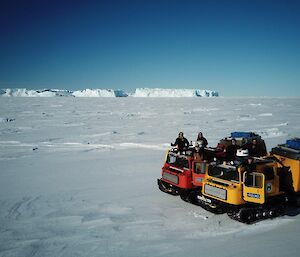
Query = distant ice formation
x=99 y=93
x=165 y=92
x=139 y=92
x=23 y=92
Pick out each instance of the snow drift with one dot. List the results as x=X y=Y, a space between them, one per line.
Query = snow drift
x=78 y=177
x=139 y=92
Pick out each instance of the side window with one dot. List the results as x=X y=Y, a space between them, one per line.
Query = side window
x=200 y=167
x=254 y=180
x=269 y=173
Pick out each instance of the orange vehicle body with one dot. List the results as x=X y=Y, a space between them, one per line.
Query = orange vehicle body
x=181 y=172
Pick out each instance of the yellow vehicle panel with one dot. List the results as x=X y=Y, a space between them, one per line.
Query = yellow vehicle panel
x=229 y=193
x=294 y=168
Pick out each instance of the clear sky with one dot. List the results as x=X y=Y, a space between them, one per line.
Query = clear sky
x=239 y=48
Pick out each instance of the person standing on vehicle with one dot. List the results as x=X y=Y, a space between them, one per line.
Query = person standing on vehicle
x=250 y=165
x=201 y=140
x=181 y=142
x=198 y=153
x=231 y=150
x=256 y=150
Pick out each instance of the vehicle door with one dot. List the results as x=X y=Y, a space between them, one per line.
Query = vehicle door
x=254 y=187
x=199 y=170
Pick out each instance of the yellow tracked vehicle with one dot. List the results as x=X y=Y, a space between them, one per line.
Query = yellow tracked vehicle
x=252 y=190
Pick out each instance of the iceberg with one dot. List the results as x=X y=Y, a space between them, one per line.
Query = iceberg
x=165 y=92
x=23 y=92
x=139 y=92
x=99 y=93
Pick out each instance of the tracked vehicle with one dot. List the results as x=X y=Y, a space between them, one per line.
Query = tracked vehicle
x=264 y=192
x=181 y=173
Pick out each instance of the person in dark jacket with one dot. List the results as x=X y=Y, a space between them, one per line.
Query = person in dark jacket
x=250 y=165
x=181 y=142
x=201 y=140
x=256 y=150
x=231 y=150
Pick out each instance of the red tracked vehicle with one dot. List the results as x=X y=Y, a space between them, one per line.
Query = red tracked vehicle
x=181 y=173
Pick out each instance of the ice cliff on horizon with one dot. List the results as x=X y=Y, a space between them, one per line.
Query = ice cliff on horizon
x=139 y=92
x=168 y=92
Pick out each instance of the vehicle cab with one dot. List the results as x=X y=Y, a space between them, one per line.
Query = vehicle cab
x=181 y=172
x=232 y=184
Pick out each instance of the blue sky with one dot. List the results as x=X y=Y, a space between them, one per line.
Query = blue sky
x=239 y=48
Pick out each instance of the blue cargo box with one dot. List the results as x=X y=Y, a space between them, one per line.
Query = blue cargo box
x=293 y=143
x=242 y=134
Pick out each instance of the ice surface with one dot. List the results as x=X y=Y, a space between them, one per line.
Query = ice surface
x=78 y=177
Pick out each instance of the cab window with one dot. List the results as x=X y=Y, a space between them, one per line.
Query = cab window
x=254 y=180
x=200 y=167
x=178 y=161
x=268 y=172
x=223 y=172
x=171 y=159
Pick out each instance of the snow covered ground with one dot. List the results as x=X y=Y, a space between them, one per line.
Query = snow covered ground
x=78 y=177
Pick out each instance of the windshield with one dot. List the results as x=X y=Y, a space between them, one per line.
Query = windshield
x=228 y=173
x=178 y=161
